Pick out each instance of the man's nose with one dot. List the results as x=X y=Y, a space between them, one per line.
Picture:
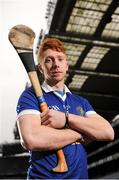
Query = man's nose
x=55 y=63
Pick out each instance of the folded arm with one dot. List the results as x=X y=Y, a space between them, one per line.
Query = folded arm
x=93 y=127
x=35 y=136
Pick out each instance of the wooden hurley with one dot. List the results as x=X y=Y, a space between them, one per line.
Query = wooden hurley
x=22 y=39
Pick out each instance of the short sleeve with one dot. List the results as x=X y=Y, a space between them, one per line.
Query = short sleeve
x=88 y=108
x=27 y=103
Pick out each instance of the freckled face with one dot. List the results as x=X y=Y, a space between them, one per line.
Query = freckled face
x=54 y=66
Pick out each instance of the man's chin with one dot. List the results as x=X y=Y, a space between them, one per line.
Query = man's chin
x=57 y=79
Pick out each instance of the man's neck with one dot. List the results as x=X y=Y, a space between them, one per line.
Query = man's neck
x=59 y=86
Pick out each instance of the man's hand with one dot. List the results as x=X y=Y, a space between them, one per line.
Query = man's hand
x=53 y=118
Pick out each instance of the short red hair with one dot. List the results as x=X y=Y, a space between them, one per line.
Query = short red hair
x=50 y=43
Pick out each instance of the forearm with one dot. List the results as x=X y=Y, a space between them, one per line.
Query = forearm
x=47 y=138
x=94 y=127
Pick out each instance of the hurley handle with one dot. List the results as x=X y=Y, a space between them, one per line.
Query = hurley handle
x=22 y=39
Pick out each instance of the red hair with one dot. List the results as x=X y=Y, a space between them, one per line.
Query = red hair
x=50 y=43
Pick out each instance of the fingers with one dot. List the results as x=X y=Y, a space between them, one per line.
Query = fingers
x=45 y=118
x=52 y=118
x=46 y=123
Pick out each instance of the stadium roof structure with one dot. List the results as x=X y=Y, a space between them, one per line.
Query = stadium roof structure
x=90 y=32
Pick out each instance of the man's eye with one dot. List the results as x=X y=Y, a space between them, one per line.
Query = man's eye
x=61 y=59
x=48 y=60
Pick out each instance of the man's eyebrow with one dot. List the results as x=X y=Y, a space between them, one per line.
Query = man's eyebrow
x=49 y=56
x=61 y=56
x=58 y=56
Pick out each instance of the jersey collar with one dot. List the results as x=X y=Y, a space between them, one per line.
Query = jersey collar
x=48 y=88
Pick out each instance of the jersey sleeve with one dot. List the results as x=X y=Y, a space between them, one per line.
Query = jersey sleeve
x=88 y=108
x=27 y=103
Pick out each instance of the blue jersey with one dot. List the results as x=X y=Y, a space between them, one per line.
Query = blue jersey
x=42 y=163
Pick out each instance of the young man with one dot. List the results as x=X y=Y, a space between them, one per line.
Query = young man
x=44 y=133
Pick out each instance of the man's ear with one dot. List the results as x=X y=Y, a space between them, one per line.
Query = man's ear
x=67 y=66
x=40 y=68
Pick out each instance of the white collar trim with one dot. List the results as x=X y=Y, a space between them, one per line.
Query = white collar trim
x=48 y=88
